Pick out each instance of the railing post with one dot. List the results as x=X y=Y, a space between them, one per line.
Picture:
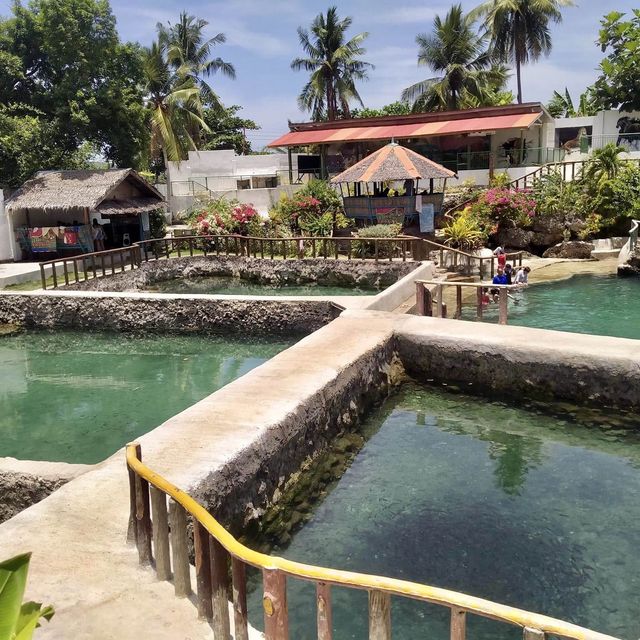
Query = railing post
x=180 y=550
x=203 y=570
x=55 y=275
x=479 y=305
x=75 y=270
x=324 y=615
x=43 y=278
x=160 y=534
x=240 y=624
x=533 y=634
x=439 y=309
x=420 y=299
x=143 y=515
x=379 y=615
x=65 y=271
x=220 y=589
x=458 y=313
x=274 y=603
x=458 y=624
x=504 y=306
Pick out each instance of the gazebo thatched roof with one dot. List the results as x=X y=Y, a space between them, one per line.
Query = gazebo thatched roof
x=59 y=191
x=393 y=162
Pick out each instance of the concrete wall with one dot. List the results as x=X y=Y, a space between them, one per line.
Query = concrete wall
x=6 y=233
x=395 y=295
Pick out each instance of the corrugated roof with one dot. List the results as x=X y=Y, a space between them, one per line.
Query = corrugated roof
x=393 y=162
x=414 y=129
x=64 y=190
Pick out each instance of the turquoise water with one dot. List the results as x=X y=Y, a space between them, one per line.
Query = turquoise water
x=76 y=396
x=236 y=286
x=515 y=504
x=602 y=305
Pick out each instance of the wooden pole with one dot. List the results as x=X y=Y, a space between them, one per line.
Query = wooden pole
x=439 y=309
x=420 y=299
x=203 y=570
x=240 y=624
x=143 y=515
x=180 y=550
x=504 y=306
x=458 y=314
x=161 y=534
x=324 y=615
x=533 y=634
x=458 y=624
x=479 y=306
x=379 y=615
x=274 y=603
x=220 y=587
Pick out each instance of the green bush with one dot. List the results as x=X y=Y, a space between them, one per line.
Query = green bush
x=366 y=248
x=157 y=224
x=464 y=232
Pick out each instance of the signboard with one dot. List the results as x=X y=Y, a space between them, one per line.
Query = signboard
x=426 y=219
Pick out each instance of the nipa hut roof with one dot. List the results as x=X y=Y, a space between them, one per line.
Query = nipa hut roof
x=393 y=162
x=57 y=191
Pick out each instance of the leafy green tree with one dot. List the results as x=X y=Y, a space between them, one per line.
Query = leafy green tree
x=87 y=91
x=561 y=105
x=618 y=85
x=189 y=53
x=227 y=130
x=335 y=66
x=519 y=29
x=397 y=108
x=469 y=76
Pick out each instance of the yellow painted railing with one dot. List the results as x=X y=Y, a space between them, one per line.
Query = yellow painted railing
x=152 y=525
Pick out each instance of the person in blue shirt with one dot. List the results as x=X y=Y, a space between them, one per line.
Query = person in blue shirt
x=500 y=277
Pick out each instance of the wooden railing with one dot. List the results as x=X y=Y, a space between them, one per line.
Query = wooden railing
x=94 y=265
x=162 y=539
x=425 y=299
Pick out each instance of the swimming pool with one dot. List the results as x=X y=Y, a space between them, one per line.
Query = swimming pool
x=76 y=396
x=531 y=506
x=602 y=305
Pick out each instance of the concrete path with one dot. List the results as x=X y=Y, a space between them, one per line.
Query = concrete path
x=81 y=563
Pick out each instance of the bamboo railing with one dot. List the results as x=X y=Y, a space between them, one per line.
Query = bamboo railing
x=161 y=537
x=425 y=299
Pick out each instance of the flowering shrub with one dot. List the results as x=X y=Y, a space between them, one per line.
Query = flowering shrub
x=504 y=206
x=223 y=217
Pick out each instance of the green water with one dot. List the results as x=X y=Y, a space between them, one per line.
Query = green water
x=602 y=305
x=236 y=286
x=78 y=396
x=518 y=505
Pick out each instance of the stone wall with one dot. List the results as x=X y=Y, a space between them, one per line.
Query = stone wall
x=164 y=313
x=330 y=272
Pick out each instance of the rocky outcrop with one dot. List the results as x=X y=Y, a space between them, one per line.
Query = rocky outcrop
x=25 y=482
x=630 y=265
x=575 y=249
x=545 y=232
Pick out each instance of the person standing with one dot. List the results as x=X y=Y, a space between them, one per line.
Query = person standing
x=98 y=236
x=502 y=256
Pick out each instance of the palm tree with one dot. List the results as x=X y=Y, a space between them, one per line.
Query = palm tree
x=605 y=164
x=175 y=107
x=561 y=105
x=469 y=74
x=189 y=53
x=334 y=65
x=519 y=29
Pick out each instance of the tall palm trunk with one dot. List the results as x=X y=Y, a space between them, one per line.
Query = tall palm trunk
x=519 y=78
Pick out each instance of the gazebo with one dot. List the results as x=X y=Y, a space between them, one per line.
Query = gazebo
x=372 y=200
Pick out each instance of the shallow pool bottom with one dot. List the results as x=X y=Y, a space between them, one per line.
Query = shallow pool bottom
x=75 y=396
x=522 y=506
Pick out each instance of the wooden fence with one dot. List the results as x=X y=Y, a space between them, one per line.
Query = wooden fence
x=426 y=301
x=102 y=263
x=161 y=537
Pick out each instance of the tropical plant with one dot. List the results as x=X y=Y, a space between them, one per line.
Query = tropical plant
x=618 y=85
x=189 y=53
x=335 y=66
x=18 y=620
x=604 y=164
x=468 y=76
x=502 y=206
x=221 y=216
x=464 y=231
x=561 y=105
x=398 y=108
x=227 y=130
x=519 y=29
x=554 y=195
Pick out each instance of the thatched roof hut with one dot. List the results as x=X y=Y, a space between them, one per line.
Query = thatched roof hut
x=111 y=191
x=393 y=162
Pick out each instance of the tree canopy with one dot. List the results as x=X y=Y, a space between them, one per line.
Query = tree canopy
x=66 y=81
x=334 y=64
x=227 y=130
x=618 y=85
x=468 y=74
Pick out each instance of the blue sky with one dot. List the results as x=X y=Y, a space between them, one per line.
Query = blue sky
x=262 y=41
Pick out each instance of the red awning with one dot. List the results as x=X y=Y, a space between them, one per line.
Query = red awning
x=401 y=131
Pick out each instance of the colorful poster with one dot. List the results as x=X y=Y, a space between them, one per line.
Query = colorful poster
x=44 y=239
